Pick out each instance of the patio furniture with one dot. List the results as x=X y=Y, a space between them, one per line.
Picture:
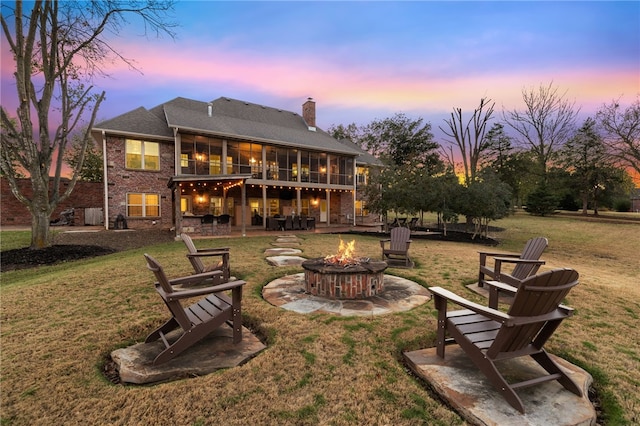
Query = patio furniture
x=489 y=336
x=526 y=263
x=195 y=256
x=198 y=320
x=397 y=251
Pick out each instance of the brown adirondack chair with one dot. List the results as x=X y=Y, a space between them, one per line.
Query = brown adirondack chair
x=488 y=335
x=397 y=252
x=195 y=256
x=526 y=263
x=199 y=319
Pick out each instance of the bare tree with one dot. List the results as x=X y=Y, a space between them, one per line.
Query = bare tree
x=58 y=47
x=545 y=124
x=622 y=131
x=469 y=137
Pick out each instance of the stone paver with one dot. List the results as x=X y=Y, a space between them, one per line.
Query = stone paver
x=285 y=260
x=214 y=352
x=399 y=295
x=283 y=251
x=459 y=382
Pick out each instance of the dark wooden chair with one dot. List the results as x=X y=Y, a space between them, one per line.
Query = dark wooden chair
x=195 y=256
x=199 y=319
x=526 y=263
x=288 y=223
x=397 y=251
x=488 y=335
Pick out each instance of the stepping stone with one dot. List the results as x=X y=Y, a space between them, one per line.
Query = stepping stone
x=288 y=239
x=291 y=244
x=286 y=260
x=458 y=381
x=281 y=251
x=214 y=352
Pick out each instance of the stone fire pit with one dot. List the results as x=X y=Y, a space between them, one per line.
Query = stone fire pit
x=334 y=281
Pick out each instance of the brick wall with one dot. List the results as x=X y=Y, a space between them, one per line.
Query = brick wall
x=84 y=195
x=121 y=181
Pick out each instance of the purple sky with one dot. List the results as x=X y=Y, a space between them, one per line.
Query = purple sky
x=362 y=61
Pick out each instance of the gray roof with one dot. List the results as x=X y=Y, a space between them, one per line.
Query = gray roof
x=230 y=118
x=138 y=122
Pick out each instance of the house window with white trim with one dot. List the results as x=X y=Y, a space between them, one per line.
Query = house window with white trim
x=143 y=205
x=142 y=155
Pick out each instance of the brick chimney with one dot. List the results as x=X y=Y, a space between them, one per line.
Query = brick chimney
x=309 y=113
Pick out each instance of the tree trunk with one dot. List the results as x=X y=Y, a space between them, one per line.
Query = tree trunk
x=40 y=237
x=41 y=208
x=585 y=204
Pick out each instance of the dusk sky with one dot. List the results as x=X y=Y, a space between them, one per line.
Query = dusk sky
x=362 y=61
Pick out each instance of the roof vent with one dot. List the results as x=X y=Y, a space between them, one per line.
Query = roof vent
x=209 y=109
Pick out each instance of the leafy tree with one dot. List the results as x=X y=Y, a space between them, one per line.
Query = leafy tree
x=512 y=167
x=469 y=137
x=91 y=169
x=351 y=131
x=57 y=48
x=622 y=131
x=545 y=123
x=485 y=199
x=542 y=202
x=400 y=140
x=585 y=156
x=409 y=154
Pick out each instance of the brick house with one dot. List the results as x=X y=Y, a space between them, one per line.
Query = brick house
x=183 y=160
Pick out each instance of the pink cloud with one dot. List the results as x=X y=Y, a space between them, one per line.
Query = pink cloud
x=349 y=84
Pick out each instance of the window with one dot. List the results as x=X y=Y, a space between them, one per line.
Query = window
x=361 y=208
x=143 y=205
x=304 y=206
x=201 y=155
x=362 y=175
x=186 y=201
x=142 y=155
x=215 y=205
x=215 y=166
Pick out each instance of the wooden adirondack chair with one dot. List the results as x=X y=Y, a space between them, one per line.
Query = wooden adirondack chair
x=199 y=319
x=398 y=250
x=195 y=256
x=526 y=263
x=488 y=335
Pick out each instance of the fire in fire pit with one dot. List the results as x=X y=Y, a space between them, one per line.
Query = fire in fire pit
x=345 y=255
x=344 y=276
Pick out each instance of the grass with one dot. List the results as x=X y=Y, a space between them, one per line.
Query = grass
x=59 y=324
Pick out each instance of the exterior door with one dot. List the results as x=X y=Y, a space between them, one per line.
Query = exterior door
x=323 y=211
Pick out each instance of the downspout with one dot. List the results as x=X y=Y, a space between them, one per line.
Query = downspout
x=105 y=180
x=355 y=190
x=176 y=191
x=243 y=197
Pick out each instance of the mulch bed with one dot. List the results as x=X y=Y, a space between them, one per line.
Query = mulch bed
x=70 y=246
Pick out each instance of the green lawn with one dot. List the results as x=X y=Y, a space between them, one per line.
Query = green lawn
x=59 y=324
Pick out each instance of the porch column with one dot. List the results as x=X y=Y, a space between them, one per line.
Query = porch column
x=243 y=198
x=328 y=205
x=177 y=196
x=264 y=206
